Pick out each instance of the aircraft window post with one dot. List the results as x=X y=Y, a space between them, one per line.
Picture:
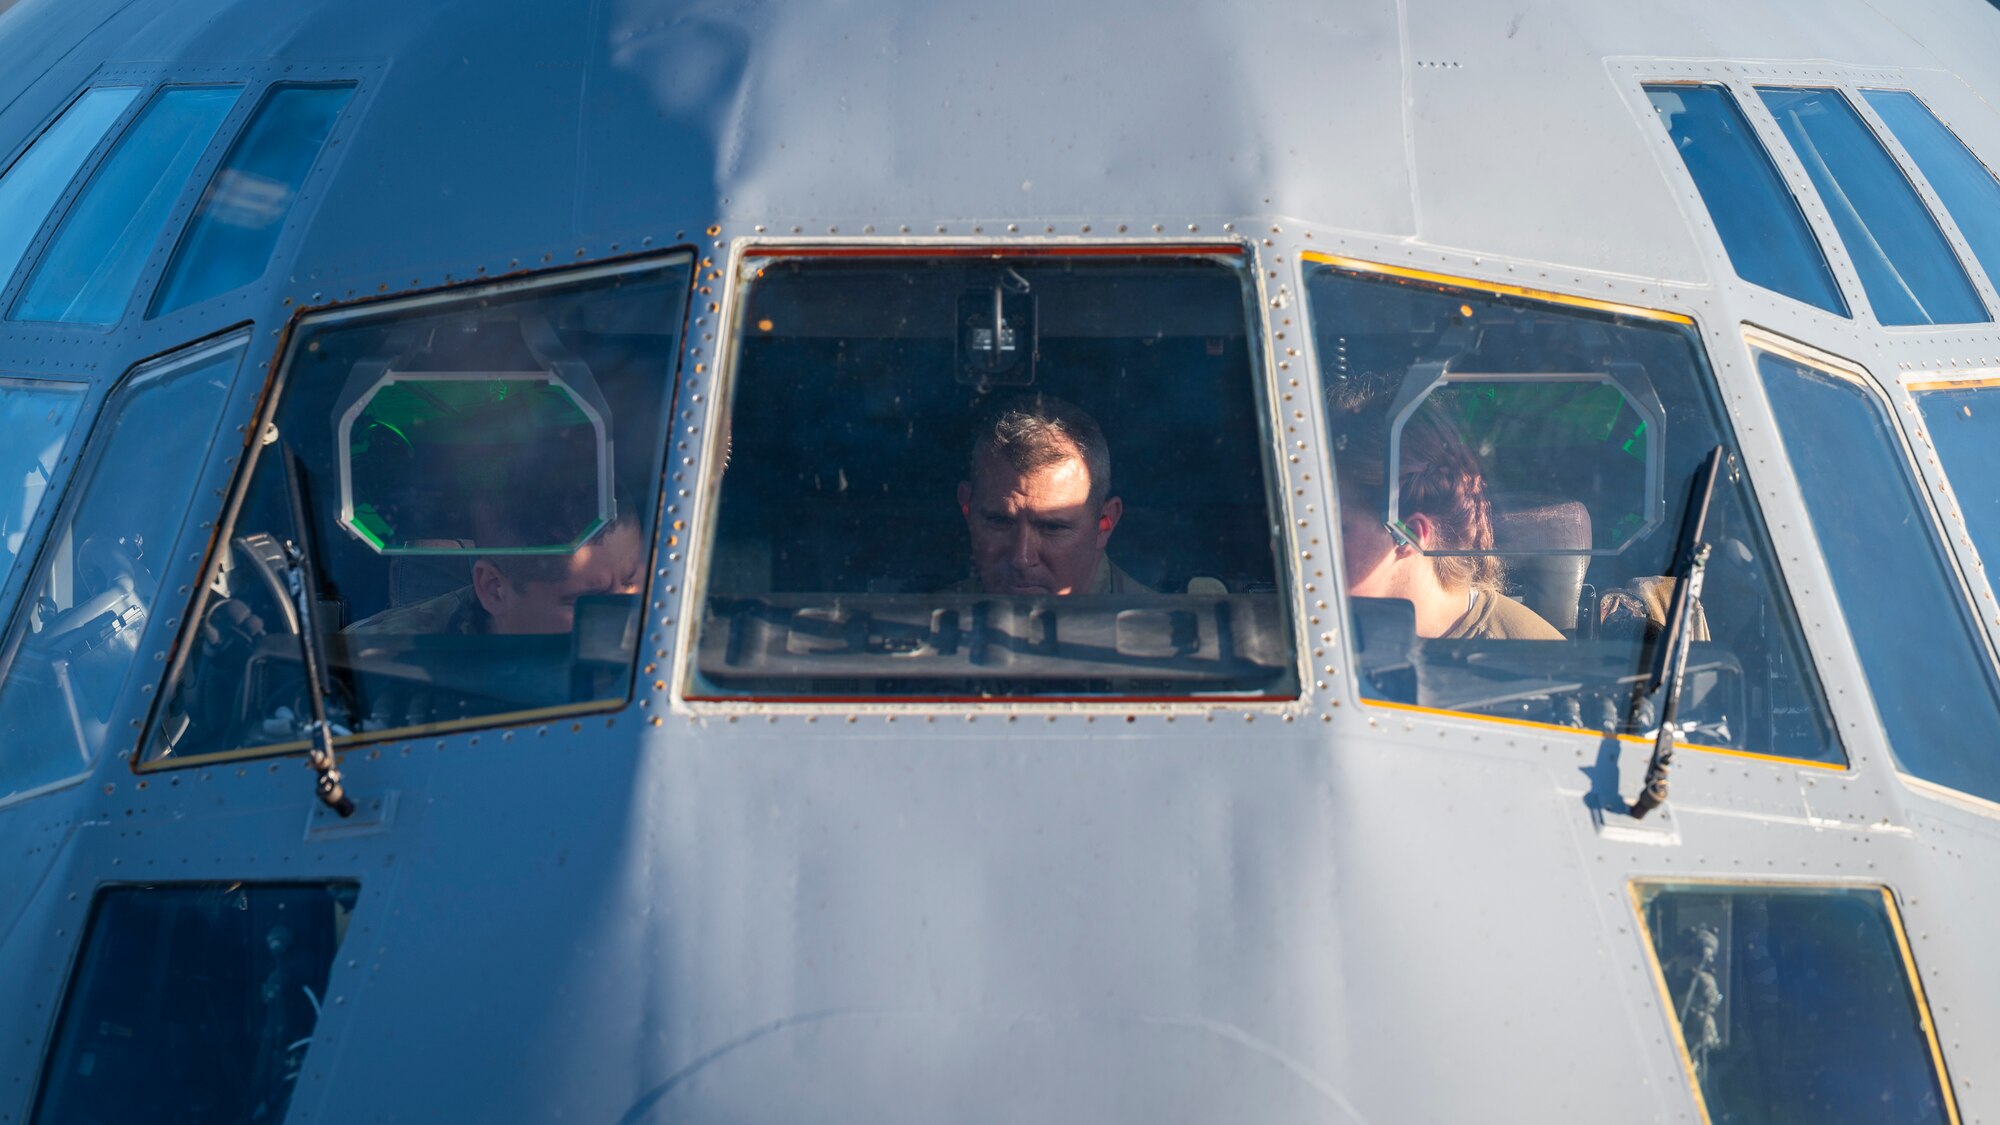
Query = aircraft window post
x=1940 y=707
x=1907 y=268
x=1762 y=229
x=44 y=171
x=1795 y=1003
x=1513 y=470
x=229 y=240
x=479 y=472
x=76 y=638
x=199 y=996
x=88 y=271
x=1012 y=476
x=36 y=417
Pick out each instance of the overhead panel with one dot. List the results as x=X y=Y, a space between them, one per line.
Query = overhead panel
x=1760 y=224
x=1907 y=268
x=87 y=273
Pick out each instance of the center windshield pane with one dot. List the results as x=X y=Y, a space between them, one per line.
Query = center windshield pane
x=1520 y=561
x=35 y=423
x=971 y=478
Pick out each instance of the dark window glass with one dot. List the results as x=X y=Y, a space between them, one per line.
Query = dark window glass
x=87 y=272
x=1762 y=229
x=39 y=177
x=1019 y=477
x=1926 y=665
x=1796 y=1004
x=76 y=637
x=35 y=422
x=480 y=474
x=229 y=240
x=1965 y=186
x=1906 y=266
x=1964 y=425
x=193 y=1004
x=1520 y=560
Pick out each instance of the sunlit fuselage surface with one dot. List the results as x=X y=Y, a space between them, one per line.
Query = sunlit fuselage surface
x=910 y=562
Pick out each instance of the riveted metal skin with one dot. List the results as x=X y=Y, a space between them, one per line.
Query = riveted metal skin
x=1306 y=908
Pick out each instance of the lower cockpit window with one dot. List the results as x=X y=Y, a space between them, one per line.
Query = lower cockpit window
x=1028 y=477
x=464 y=490
x=194 y=1003
x=1518 y=481
x=1795 y=1003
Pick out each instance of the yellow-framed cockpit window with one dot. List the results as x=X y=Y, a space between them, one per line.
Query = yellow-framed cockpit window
x=1521 y=559
x=1795 y=1002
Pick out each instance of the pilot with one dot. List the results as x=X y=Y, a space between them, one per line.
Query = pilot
x=524 y=593
x=1443 y=501
x=1038 y=503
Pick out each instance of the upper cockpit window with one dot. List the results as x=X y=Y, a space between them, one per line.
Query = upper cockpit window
x=1004 y=476
x=35 y=422
x=229 y=241
x=1907 y=268
x=1762 y=229
x=1964 y=185
x=40 y=176
x=1933 y=682
x=87 y=273
x=1521 y=558
x=478 y=476
x=64 y=663
x=1795 y=1003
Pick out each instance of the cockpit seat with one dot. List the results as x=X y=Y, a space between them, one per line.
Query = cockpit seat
x=1551 y=585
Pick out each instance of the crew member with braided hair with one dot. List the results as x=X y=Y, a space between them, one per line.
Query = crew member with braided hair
x=1444 y=505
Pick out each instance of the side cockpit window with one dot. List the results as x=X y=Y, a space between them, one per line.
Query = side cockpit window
x=1515 y=479
x=957 y=477
x=466 y=486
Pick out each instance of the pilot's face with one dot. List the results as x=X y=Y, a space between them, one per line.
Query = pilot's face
x=614 y=563
x=1368 y=550
x=1036 y=532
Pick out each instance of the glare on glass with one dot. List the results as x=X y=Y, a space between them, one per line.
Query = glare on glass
x=1906 y=266
x=236 y=225
x=87 y=273
x=39 y=177
x=1762 y=229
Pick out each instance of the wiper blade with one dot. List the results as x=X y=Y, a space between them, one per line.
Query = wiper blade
x=301 y=577
x=1670 y=659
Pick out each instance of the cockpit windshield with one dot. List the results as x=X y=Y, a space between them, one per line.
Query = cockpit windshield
x=1003 y=476
x=1520 y=559
x=479 y=477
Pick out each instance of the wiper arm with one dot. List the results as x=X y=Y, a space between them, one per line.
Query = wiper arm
x=1670 y=659
x=302 y=579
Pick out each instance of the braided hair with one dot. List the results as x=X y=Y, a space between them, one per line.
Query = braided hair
x=1439 y=475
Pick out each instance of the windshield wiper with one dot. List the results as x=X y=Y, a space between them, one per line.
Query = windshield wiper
x=302 y=579
x=1663 y=695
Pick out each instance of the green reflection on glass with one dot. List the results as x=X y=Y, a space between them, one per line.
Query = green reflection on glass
x=1795 y=1003
x=441 y=463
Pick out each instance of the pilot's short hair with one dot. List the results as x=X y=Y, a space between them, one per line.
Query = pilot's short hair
x=1034 y=431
